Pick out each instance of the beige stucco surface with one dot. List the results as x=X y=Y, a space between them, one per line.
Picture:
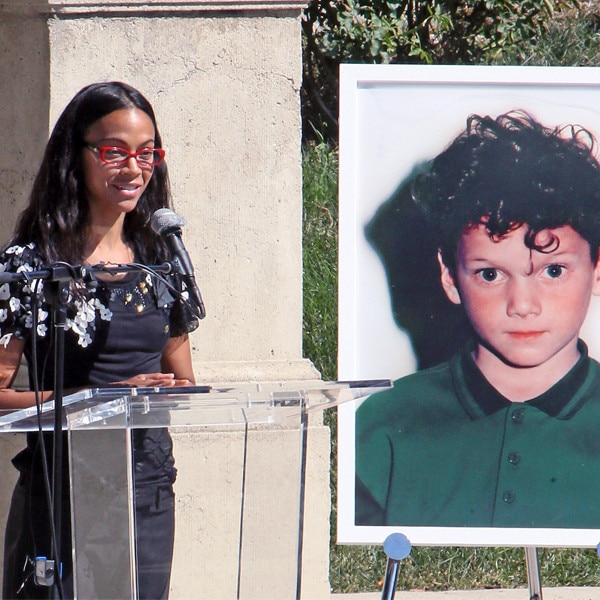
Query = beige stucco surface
x=225 y=88
x=224 y=79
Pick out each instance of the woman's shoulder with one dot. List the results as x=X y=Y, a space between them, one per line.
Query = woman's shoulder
x=20 y=257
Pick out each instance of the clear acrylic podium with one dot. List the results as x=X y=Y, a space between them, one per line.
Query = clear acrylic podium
x=241 y=455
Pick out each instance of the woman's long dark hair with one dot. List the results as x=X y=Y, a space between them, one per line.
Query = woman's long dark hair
x=57 y=216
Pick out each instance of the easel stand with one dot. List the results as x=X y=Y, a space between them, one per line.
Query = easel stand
x=397 y=547
x=533 y=573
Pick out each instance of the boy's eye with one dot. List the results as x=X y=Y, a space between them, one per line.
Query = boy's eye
x=488 y=274
x=554 y=271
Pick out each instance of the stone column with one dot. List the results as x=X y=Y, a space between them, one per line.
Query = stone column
x=224 y=78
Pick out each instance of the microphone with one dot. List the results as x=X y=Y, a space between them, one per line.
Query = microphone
x=168 y=225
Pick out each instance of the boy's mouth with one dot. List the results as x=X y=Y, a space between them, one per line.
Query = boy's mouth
x=525 y=335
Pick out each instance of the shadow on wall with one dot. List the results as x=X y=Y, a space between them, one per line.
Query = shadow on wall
x=407 y=247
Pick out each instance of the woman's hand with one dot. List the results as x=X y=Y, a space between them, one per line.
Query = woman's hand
x=154 y=380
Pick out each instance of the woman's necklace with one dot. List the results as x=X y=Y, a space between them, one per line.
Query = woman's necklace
x=131 y=292
x=111 y=256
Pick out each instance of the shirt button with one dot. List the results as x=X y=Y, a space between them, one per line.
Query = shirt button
x=518 y=416
x=514 y=458
x=509 y=496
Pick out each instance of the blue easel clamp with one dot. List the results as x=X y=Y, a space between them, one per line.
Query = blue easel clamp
x=396 y=547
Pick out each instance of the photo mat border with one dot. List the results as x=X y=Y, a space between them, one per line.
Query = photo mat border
x=381 y=110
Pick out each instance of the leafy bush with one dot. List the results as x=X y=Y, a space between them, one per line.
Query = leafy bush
x=570 y=39
x=426 y=32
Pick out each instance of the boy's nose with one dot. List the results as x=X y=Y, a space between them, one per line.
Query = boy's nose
x=523 y=298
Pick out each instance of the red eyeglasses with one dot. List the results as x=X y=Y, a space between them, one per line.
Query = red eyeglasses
x=147 y=158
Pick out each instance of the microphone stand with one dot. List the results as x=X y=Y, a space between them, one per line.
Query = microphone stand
x=57 y=294
x=57 y=297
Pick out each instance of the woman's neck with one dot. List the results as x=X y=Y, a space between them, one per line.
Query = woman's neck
x=106 y=243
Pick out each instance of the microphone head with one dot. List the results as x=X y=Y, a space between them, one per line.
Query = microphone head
x=165 y=218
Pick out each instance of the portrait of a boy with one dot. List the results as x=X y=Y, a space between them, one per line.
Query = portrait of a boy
x=504 y=432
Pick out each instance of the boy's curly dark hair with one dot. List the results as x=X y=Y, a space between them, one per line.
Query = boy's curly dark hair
x=508 y=172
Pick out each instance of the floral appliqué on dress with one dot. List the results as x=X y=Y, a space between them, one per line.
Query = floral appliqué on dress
x=16 y=305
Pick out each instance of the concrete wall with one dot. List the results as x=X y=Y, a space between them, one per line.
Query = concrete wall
x=224 y=78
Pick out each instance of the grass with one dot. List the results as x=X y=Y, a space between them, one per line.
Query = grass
x=320 y=225
x=362 y=568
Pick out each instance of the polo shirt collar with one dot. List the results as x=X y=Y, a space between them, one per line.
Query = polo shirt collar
x=552 y=401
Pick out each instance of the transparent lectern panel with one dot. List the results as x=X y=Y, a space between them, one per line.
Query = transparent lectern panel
x=101 y=509
x=240 y=455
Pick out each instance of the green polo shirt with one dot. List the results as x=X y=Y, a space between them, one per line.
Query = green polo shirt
x=443 y=448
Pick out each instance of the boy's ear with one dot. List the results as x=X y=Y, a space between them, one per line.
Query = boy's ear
x=596 y=287
x=447 y=280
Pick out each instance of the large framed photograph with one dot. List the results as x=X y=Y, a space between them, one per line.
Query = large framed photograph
x=457 y=453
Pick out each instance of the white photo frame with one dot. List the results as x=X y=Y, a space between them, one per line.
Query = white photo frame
x=392 y=117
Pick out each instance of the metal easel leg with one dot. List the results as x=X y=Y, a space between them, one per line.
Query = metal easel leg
x=396 y=547
x=533 y=573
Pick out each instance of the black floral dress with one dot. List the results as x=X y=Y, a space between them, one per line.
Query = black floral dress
x=113 y=332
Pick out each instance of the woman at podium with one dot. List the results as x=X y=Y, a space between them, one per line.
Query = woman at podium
x=102 y=177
